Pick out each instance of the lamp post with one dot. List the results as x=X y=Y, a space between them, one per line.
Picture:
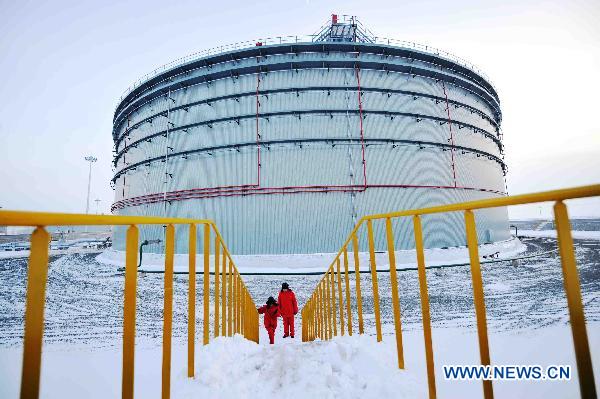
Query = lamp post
x=97 y=201
x=91 y=159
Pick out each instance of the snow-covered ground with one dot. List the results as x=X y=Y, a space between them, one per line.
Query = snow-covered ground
x=527 y=318
x=316 y=263
x=580 y=235
x=347 y=367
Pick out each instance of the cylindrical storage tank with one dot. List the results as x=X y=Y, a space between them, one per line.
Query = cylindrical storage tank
x=285 y=145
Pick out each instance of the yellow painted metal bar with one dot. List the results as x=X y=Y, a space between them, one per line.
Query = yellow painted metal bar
x=246 y=318
x=235 y=302
x=323 y=309
x=129 y=307
x=374 y=280
x=256 y=326
x=239 y=304
x=418 y=230
x=305 y=322
x=303 y=325
x=323 y=314
x=333 y=301
x=312 y=319
x=585 y=370
x=217 y=291
x=478 y=298
x=545 y=196
x=37 y=277
x=206 y=286
x=340 y=297
x=395 y=297
x=224 y=296
x=26 y=218
x=358 y=293
x=347 y=280
x=168 y=312
x=192 y=300
x=329 y=310
x=313 y=324
x=230 y=301
x=317 y=313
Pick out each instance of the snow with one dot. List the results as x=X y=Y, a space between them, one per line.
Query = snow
x=345 y=367
x=348 y=367
x=578 y=235
x=526 y=312
x=317 y=263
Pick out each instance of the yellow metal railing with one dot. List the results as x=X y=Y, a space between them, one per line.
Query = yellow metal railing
x=234 y=309
x=318 y=314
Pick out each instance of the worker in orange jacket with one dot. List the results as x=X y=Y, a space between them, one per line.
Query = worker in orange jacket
x=288 y=307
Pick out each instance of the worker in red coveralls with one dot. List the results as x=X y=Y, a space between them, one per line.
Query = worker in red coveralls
x=288 y=306
x=271 y=312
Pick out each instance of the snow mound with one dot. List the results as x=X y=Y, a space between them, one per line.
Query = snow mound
x=349 y=367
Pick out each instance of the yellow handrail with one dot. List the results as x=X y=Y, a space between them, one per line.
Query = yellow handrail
x=245 y=316
x=316 y=326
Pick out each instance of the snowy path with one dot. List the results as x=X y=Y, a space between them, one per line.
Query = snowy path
x=356 y=367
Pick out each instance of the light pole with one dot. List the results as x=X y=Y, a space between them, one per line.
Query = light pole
x=91 y=159
x=97 y=201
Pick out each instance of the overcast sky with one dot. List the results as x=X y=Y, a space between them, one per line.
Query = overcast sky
x=64 y=65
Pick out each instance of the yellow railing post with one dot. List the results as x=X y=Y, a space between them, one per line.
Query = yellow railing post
x=348 y=304
x=313 y=315
x=37 y=276
x=317 y=313
x=478 y=298
x=129 y=308
x=395 y=296
x=340 y=297
x=217 y=291
x=311 y=324
x=230 y=300
x=585 y=371
x=358 y=293
x=331 y=280
x=235 y=301
x=328 y=305
x=256 y=325
x=425 y=306
x=374 y=280
x=206 y=286
x=323 y=314
x=240 y=303
x=168 y=312
x=192 y=300
x=224 y=296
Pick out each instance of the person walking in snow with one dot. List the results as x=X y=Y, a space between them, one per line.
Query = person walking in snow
x=271 y=312
x=288 y=306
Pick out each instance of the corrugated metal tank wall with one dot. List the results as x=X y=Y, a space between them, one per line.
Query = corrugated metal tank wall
x=309 y=124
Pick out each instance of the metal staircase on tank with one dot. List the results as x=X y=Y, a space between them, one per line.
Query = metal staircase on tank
x=344 y=28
